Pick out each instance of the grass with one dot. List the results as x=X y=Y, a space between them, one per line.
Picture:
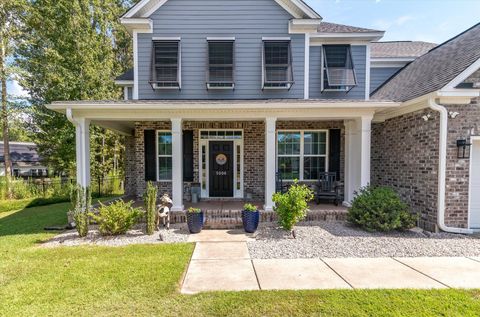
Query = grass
x=143 y=280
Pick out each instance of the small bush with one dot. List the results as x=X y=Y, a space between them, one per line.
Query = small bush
x=194 y=210
x=380 y=209
x=292 y=206
x=81 y=221
x=250 y=208
x=116 y=218
x=150 y=199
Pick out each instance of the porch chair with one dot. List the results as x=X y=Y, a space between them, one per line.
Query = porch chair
x=328 y=188
x=279 y=186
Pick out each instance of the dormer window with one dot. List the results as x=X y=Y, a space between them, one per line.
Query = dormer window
x=165 y=68
x=338 y=69
x=220 y=73
x=277 y=64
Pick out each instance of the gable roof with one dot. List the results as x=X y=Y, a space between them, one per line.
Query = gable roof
x=297 y=8
x=434 y=70
x=328 y=27
x=405 y=49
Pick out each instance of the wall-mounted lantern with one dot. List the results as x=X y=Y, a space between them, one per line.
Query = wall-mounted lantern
x=463 y=149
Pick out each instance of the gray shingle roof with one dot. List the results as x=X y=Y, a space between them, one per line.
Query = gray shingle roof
x=21 y=152
x=433 y=70
x=327 y=27
x=400 y=49
x=128 y=75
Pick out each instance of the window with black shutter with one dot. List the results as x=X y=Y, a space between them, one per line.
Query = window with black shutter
x=220 y=64
x=165 y=72
x=338 y=68
x=277 y=65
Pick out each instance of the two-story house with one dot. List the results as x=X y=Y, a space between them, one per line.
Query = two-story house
x=228 y=94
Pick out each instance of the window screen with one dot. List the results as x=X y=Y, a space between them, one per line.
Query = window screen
x=277 y=64
x=165 y=64
x=339 y=73
x=220 y=64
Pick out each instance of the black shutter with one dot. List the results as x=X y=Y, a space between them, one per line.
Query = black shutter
x=150 y=155
x=334 y=151
x=188 y=156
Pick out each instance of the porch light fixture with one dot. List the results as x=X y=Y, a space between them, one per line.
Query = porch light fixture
x=463 y=149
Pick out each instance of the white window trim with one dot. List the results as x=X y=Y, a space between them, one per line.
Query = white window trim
x=206 y=142
x=302 y=155
x=157 y=156
x=221 y=39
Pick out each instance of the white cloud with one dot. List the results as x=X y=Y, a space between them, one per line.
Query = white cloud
x=14 y=89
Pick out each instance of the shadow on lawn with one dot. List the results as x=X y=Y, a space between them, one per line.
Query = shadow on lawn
x=33 y=220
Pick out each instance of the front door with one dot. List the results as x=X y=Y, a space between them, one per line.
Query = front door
x=221 y=168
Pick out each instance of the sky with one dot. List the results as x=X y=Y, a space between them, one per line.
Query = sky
x=418 y=20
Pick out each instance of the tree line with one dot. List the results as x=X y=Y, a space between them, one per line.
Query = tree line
x=61 y=50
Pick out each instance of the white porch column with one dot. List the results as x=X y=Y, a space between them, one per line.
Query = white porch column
x=82 y=144
x=357 y=155
x=177 y=165
x=365 y=134
x=270 y=164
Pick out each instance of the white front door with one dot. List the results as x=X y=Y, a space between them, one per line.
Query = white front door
x=475 y=185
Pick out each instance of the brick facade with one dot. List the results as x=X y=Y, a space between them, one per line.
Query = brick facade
x=253 y=151
x=405 y=157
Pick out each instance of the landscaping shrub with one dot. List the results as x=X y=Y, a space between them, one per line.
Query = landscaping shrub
x=292 y=206
x=150 y=199
x=81 y=201
x=250 y=208
x=116 y=218
x=380 y=209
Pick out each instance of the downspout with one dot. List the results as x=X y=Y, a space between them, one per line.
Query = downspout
x=442 y=169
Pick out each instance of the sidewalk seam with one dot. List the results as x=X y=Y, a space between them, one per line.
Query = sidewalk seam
x=424 y=274
x=331 y=268
x=184 y=277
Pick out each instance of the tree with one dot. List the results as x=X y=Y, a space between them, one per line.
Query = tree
x=10 y=19
x=70 y=50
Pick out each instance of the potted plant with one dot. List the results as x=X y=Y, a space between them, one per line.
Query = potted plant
x=250 y=218
x=194 y=219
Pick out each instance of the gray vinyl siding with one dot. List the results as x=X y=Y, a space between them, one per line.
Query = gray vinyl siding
x=246 y=20
x=359 y=56
x=379 y=75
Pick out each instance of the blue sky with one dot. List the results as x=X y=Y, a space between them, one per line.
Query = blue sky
x=421 y=20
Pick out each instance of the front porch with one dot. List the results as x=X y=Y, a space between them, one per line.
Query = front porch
x=233 y=151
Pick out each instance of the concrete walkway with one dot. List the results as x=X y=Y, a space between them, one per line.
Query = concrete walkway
x=221 y=262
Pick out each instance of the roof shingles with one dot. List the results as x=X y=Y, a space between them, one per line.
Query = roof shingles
x=433 y=70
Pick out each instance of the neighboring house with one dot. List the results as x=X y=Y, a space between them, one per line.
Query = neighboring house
x=25 y=160
x=226 y=93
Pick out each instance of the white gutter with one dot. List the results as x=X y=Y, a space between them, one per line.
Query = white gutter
x=442 y=168
x=70 y=118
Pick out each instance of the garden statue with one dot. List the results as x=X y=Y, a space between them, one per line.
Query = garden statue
x=163 y=211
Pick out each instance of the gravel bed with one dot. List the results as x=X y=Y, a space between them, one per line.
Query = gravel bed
x=338 y=239
x=176 y=234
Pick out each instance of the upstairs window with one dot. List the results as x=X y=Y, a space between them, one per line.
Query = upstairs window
x=277 y=65
x=220 y=64
x=338 y=70
x=165 y=73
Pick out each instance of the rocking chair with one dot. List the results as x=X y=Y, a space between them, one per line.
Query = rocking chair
x=328 y=188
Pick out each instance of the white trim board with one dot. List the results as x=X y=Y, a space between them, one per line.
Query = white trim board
x=475 y=140
x=462 y=76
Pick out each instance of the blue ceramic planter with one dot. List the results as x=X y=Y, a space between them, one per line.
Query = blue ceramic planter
x=250 y=220
x=195 y=221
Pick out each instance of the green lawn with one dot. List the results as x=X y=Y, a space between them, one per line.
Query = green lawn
x=144 y=280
